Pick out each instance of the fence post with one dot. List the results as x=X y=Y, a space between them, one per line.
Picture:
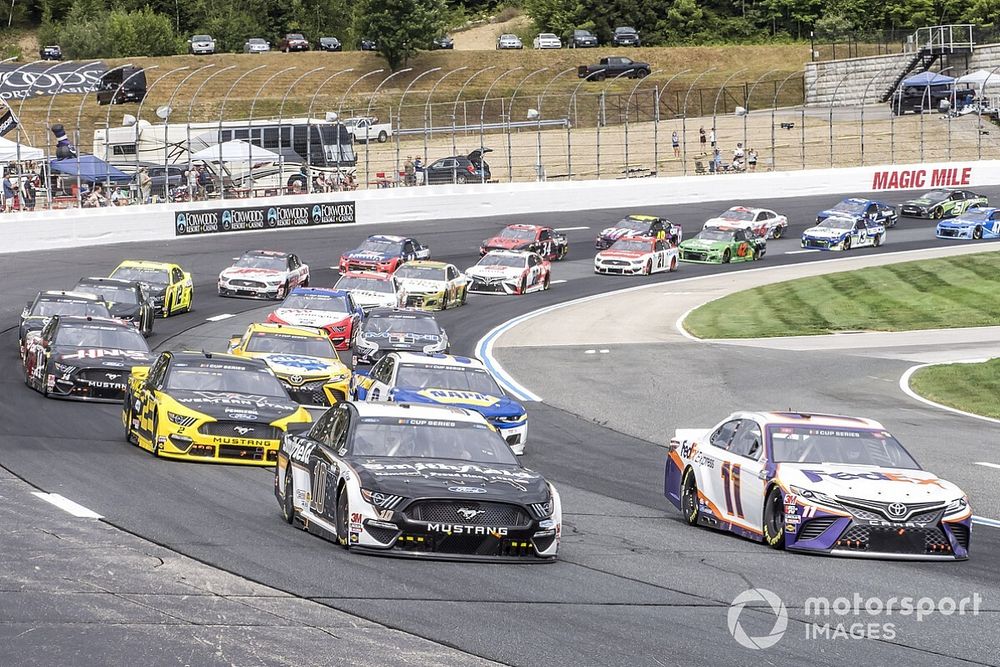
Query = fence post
x=774 y=109
x=833 y=100
x=190 y=109
x=281 y=117
x=48 y=126
x=539 y=168
x=570 y=105
x=746 y=113
x=340 y=108
x=368 y=126
x=427 y=113
x=454 y=113
x=222 y=114
x=399 y=110
x=253 y=106
x=656 y=117
x=510 y=112
x=684 y=117
x=482 y=116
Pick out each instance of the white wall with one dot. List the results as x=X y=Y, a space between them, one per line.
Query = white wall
x=45 y=230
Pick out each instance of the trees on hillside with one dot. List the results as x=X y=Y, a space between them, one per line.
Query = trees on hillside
x=400 y=27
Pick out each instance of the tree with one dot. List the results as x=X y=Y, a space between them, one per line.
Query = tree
x=400 y=27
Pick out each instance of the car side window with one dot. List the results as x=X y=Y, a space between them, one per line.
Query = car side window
x=158 y=372
x=724 y=434
x=440 y=164
x=341 y=425
x=660 y=245
x=739 y=235
x=176 y=275
x=532 y=260
x=747 y=440
x=320 y=432
x=544 y=235
x=860 y=224
x=872 y=209
x=452 y=273
x=408 y=247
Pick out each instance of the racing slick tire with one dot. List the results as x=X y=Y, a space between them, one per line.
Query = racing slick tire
x=847 y=243
x=383 y=137
x=343 y=519
x=130 y=437
x=547 y=283
x=282 y=291
x=774 y=520
x=190 y=302
x=878 y=240
x=977 y=233
x=648 y=269
x=937 y=213
x=778 y=231
x=465 y=295
x=522 y=286
x=166 y=307
x=156 y=434
x=689 y=498
x=726 y=256
x=288 y=502
x=673 y=264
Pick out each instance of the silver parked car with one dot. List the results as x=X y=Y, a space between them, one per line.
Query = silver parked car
x=509 y=41
x=256 y=45
x=201 y=44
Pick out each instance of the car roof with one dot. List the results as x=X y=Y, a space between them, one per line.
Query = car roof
x=147 y=264
x=387 y=237
x=68 y=294
x=418 y=359
x=643 y=217
x=521 y=225
x=744 y=209
x=87 y=319
x=793 y=418
x=427 y=263
x=192 y=356
x=389 y=311
x=324 y=291
x=416 y=411
x=266 y=253
x=509 y=253
x=120 y=282
x=286 y=329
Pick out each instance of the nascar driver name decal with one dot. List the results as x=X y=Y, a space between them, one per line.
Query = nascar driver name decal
x=457 y=396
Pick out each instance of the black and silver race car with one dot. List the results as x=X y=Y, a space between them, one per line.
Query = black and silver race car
x=937 y=204
x=388 y=330
x=126 y=299
x=39 y=310
x=85 y=358
x=416 y=480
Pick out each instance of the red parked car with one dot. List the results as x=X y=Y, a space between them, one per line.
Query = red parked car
x=293 y=41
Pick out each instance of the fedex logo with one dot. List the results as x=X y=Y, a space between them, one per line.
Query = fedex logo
x=904 y=179
x=818 y=475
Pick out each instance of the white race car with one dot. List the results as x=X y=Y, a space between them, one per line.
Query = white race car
x=841 y=233
x=263 y=274
x=509 y=272
x=816 y=483
x=637 y=255
x=372 y=290
x=757 y=221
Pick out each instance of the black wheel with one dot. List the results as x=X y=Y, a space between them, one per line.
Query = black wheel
x=878 y=240
x=383 y=137
x=288 y=502
x=778 y=231
x=758 y=253
x=129 y=416
x=166 y=307
x=600 y=77
x=726 y=256
x=190 y=305
x=977 y=233
x=523 y=287
x=938 y=213
x=282 y=291
x=465 y=295
x=460 y=179
x=305 y=283
x=156 y=434
x=343 y=519
x=547 y=282
x=847 y=243
x=689 y=498
x=648 y=269
x=774 y=519
x=673 y=263
x=642 y=74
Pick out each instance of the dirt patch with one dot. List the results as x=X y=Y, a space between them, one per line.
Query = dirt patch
x=484 y=37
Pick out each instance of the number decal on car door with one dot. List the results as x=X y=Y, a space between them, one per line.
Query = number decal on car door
x=731 y=481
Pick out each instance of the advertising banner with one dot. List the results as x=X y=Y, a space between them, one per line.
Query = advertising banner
x=260 y=218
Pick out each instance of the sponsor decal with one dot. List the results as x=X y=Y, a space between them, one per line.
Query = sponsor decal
x=255 y=218
x=97 y=353
x=301 y=363
x=460 y=529
x=905 y=179
x=467 y=489
x=460 y=397
x=300 y=451
x=469 y=513
x=873 y=476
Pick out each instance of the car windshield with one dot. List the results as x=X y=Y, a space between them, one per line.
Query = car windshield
x=202 y=38
x=307 y=346
x=365 y=284
x=49 y=307
x=633 y=224
x=332 y=303
x=111 y=293
x=492 y=259
x=381 y=246
x=851 y=446
x=547 y=35
x=850 y=206
x=631 y=245
x=295 y=35
x=430 y=439
x=409 y=324
x=518 y=234
x=625 y=30
x=257 y=40
x=420 y=272
x=935 y=195
x=425 y=376
x=102 y=337
x=837 y=223
x=223 y=376
x=738 y=214
x=266 y=262
x=142 y=275
x=715 y=235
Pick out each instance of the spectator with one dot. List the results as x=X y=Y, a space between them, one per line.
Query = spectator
x=145 y=185
x=752 y=159
x=675 y=141
x=418 y=169
x=703 y=140
x=96 y=197
x=8 y=194
x=349 y=182
x=409 y=172
x=28 y=194
x=738 y=153
x=711 y=137
x=204 y=182
x=192 y=183
x=715 y=166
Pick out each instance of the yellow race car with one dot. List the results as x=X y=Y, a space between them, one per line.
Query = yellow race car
x=169 y=286
x=201 y=406
x=302 y=358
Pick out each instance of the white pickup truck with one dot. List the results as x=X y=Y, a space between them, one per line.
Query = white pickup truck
x=368 y=129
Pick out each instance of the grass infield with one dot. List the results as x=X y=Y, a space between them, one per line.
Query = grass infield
x=973 y=388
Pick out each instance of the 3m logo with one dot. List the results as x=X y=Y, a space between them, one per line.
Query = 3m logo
x=904 y=179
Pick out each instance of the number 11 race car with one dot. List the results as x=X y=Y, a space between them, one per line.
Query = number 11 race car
x=816 y=483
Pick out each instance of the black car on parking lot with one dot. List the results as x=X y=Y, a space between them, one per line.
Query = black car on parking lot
x=443 y=42
x=51 y=52
x=122 y=85
x=330 y=44
x=460 y=169
x=626 y=36
x=583 y=39
x=368 y=44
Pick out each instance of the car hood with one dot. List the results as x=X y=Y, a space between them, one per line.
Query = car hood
x=420 y=477
x=616 y=232
x=251 y=274
x=826 y=232
x=495 y=271
x=621 y=254
x=91 y=357
x=420 y=285
x=868 y=482
x=231 y=405
x=294 y=364
x=958 y=223
x=700 y=244
x=369 y=299
x=506 y=243
x=401 y=340
x=484 y=404
x=923 y=201
x=301 y=317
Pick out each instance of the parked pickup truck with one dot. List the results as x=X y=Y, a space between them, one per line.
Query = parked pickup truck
x=368 y=129
x=613 y=66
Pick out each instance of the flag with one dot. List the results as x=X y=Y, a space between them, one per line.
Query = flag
x=8 y=121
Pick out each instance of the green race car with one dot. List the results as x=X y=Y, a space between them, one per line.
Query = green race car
x=722 y=245
x=942 y=203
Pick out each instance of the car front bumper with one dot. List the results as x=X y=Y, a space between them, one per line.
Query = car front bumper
x=618 y=268
x=954 y=233
x=249 y=291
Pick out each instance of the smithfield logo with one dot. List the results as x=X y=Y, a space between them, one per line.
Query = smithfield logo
x=466 y=489
x=771 y=604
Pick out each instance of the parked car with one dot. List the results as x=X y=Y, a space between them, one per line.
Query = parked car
x=509 y=41
x=626 y=36
x=613 y=66
x=256 y=45
x=51 y=52
x=330 y=44
x=201 y=45
x=368 y=44
x=293 y=41
x=583 y=39
x=122 y=85
x=459 y=169
x=919 y=99
x=547 y=40
x=162 y=179
x=443 y=42
x=368 y=129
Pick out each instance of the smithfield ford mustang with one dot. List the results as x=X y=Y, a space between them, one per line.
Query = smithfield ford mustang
x=938 y=204
x=201 y=406
x=837 y=233
x=407 y=377
x=862 y=209
x=974 y=224
x=722 y=245
x=264 y=274
x=169 y=286
x=416 y=480
x=639 y=225
x=383 y=254
x=816 y=483
x=631 y=256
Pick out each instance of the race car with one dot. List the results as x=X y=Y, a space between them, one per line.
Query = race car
x=371 y=290
x=127 y=300
x=816 y=483
x=632 y=255
x=39 y=310
x=509 y=272
x=938 y=204
x=204 y=406
x=264 y=274
x=388 y=330
x=431 y=285
x=302 y=358
x=84 y=358
x=862 y=209
x=332 y=310
x=547 y=242
x=974 y=224
x=756 y=221
x=639 y=225
x=383 y=254
x=407 y=377
x=168 y=285
x=722 y=245
x=837 y=233
x=422 y=481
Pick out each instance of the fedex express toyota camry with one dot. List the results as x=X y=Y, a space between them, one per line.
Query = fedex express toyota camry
x=816 y=483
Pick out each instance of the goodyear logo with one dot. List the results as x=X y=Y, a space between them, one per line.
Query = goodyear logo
x=456 y=396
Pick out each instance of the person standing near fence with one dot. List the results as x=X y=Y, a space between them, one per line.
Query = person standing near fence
x=409 y=172
x=703 y=140
x=752 y=159
x=8 y=193
x=28 y=193
x=711 y=137
x=145 y=185
x=675 y=141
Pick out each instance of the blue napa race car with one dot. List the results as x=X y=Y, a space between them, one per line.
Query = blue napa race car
x=840 y=233
x=974 y=224
x=444 y=379
x=862 y=209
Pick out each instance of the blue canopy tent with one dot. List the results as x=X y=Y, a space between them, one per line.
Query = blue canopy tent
x=89 y=169
x=925 y=79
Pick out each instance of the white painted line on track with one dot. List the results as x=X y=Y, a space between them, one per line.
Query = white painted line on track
x=904 y=385
x=67 y=505
x=219 y=318
x=988 y=465
x=557 y=282
x=799 y=252
x=569 y=229
x=590 y=351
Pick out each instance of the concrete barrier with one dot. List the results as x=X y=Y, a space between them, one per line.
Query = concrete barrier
x=42 y=230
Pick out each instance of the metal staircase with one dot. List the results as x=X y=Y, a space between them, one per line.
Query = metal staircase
x=928 y=45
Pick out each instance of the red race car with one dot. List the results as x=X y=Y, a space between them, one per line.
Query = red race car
x=545 y=241
x=331 y=310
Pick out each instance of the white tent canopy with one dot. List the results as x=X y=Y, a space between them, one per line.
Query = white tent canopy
x=9 y=151
x=235 y=151
x=981 y=77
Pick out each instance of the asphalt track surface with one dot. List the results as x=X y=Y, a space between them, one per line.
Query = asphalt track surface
x=633 y=585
